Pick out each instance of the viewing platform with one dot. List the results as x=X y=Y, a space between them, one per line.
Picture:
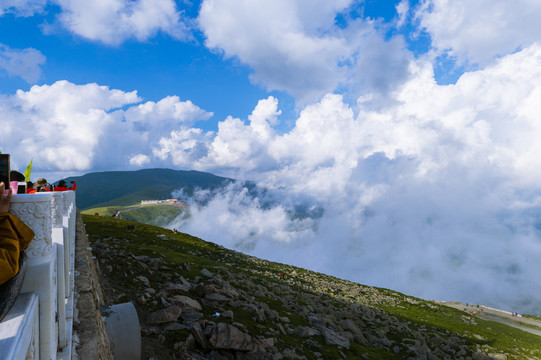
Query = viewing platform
x=40 y=323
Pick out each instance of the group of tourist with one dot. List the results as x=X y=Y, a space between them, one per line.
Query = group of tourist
x=41 y=185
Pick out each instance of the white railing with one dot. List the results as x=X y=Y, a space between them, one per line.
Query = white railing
x=40 y=323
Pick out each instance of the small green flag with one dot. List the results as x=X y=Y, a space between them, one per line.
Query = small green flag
x=28 y=171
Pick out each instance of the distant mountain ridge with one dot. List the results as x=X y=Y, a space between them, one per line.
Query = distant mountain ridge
x=100 y=189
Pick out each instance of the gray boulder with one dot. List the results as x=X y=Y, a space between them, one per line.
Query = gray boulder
x=185 y=301
x=166 y=315
x=304 y=331
x=225 y=336
x=333 y=338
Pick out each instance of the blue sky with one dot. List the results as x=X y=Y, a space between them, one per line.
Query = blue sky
x=414 y=123
x=159 y=65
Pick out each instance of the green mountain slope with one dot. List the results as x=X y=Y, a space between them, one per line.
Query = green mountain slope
x=123 y=188
x=198 y=300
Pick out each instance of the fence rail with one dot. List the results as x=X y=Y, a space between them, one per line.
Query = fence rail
x=40 y=323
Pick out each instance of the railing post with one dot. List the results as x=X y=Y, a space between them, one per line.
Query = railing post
x=60 y=242
x=68 y=226
x=35 y=211
x=19 y=335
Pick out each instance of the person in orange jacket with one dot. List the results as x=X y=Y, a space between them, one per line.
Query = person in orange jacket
x=63 y=187
x=15 y=236
x=30 y=188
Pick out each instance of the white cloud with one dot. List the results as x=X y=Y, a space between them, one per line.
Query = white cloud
x=417 y=195
x=242 y=222
x=22 y=7
x=478 y=31
x=70 y=127
x=296 y=46
x=235 y=145
x=139 y=160
x=418 y=191
x=21 y=62
x=169 y=108
x=402 y=10
x=139 y=129
x=114 y=21
x=59 y=125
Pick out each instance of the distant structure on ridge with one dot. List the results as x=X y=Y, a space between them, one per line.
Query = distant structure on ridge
x=175 y=202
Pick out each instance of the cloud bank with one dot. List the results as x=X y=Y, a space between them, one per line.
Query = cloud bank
x=436 y=196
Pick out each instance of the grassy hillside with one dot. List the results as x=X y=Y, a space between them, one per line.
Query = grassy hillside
x=159 y=215
x=124 y=188
x=106 y=210
x=302 y=315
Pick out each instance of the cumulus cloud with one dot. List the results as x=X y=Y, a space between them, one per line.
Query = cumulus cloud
x=140 y=128
x=114 y=21
x=21 y=62
x=478 y=31
x=59 y=125
x=139 y=160
x=70 y=127
x=296 y=46
x=170 y=108
x=436 y=195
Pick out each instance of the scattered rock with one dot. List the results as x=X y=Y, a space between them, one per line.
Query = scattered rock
x=166 y=315
x=498 y=356
x=199 y=336
x=189 y=315
x=175 y=288
x=143 y=279
x=206 y=273
x=225 y=336
x=185 y=301
x=216 y=297
x=303 y=331
x=228 y=314
x=333 y=338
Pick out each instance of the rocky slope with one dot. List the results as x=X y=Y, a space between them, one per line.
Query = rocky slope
x=197 y=300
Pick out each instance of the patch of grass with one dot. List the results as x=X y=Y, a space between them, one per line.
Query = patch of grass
x=444 y=320
x=106 y=211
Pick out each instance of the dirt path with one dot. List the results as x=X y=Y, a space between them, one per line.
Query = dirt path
x=117 y=214
x=501 y=316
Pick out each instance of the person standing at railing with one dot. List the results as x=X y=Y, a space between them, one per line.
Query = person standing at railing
x=63 y=187
x=42 y=185
x=15 y=236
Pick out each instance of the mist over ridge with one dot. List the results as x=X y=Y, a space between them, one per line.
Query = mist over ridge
x=435 y=196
